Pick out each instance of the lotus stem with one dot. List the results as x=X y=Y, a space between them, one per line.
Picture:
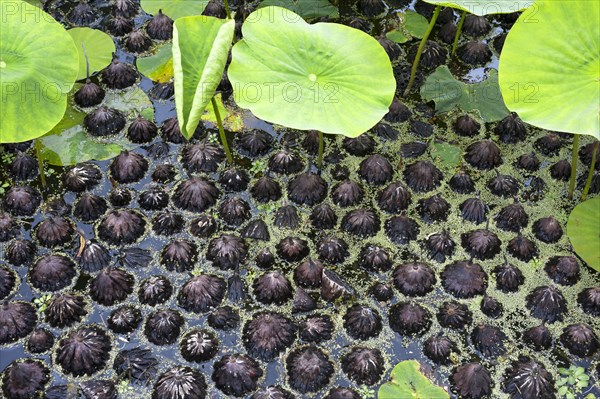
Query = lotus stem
x=226 y=4
x=413 y=71
x=320 y=156
x=221 y=131
x=573 y=166
x=38 y=153
x=590 y=177
x=458 y=30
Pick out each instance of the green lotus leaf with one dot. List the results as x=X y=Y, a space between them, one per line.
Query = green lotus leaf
x=555 y=84
x=158 y=66
x=326 y=76
x=174 y=8
x=38 y=67
x=232 y=120
x=446 y=154
x=200 y=48
x=411 y=25
x=486 y=7
x=307 y=9
x=448 y=92
x=406 y=381
x=99 y=48
x=583 y=230
x=131 y=102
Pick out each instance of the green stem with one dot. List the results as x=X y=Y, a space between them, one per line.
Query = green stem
x=458 y=30
x=320 y=156
x=573 y=166
x=590 y=177
x=221 y=131
x=413 y=71
x=226 y=3
x=38 y=153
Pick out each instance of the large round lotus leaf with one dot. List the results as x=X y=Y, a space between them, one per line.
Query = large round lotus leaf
x=174 y=8
x=406 y=381
x=326 y=76
x=99 y=48
x=550 y=67
x=485 y=7
x=38 y=67
x=583 y=229
x=200 y=48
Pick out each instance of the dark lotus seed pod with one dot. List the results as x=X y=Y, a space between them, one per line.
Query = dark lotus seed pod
x=363 y=365
x=587 y=151
x=503 y=186
x=332 y=249
x=256 y=229
x=471 y=380
x=163 y=326
x=454 y=315
x=134 y=257
x=118 y=76
x=160 y=27
x=215 y=9
x=475 y=53
x=375 y=258
x=8 y=227
x=227 y=251
x=561 y=170
x=589 y=300
x=21 y=200
x=580 y=339
x=57 y=206
x=202 y=157
x=204 y=226
x=522 y=248
x=538 y=337
x=292 y=249
x=307 y=189
x=303 y=302
x=528 y=162
x=255 y=143
x=413 y=150
x=316 y=329
x=512 y=217
x=447 y=32
x=549 y=144
x=121 y=226
x=371 y=8
x=484 y=155
x=136 y=364
x=8 y=281
x=155 y=290
x=89 y=207
x=433 y=55
x=287 y=217
x=340 y=172
x=323 y=217
x=439 y=246
x=199 y=345
x=120 y=196
x=481 y=244
x=23 y=167
x=462 y=183
x=94 y=257
x=125 y=319
x=563 y=269
x=391 y=48
x=464 y=279
x=119 y=26
x=333 y=287
x=268 y=334
x=308 y=273
x=511 y=129
x=201 y=293
x=361 y=222
x=547 y=303
x=359 y=146
x=40 y=340
x=234 y=179
x=180 y=382
x=381 y=292
x=409 y=319
x=82 y=14
x=309 y=369
x=488 y=340
x=24 y=379
x=179 y=256
x=111 y=286
x=527 y=378
x=414 y=279
x=164 y=173
x=394 y=198
x=491 y=307
x=347 y=193
x=171 y=132
x=422 y=176
x=84 y=351
x=474 y=210
x=234 y=211
x=141 y=130
x=137 y=42
x=236 y=374
x=224 y=318
x=266 y=189
x=285 y=162
x=474 y=25
x=128 y=167
x=434 y=209
x=385 y=131
x=19 y=252
x=362 y=322
x=54 y=231
x=17 y=319
x=195 y=194
x=376 y=169
x=272 y=287
x=52 y=273
x=508 y=277
x=398 y=112
x=167 y=223
x=465 y=125
x=64 y=310
x=126 y=8
x=548 y=230
x=439 y=349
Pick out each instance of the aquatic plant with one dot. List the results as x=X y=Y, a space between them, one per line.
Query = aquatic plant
x=583 y=230
x=407 y=381
x=571 y=381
